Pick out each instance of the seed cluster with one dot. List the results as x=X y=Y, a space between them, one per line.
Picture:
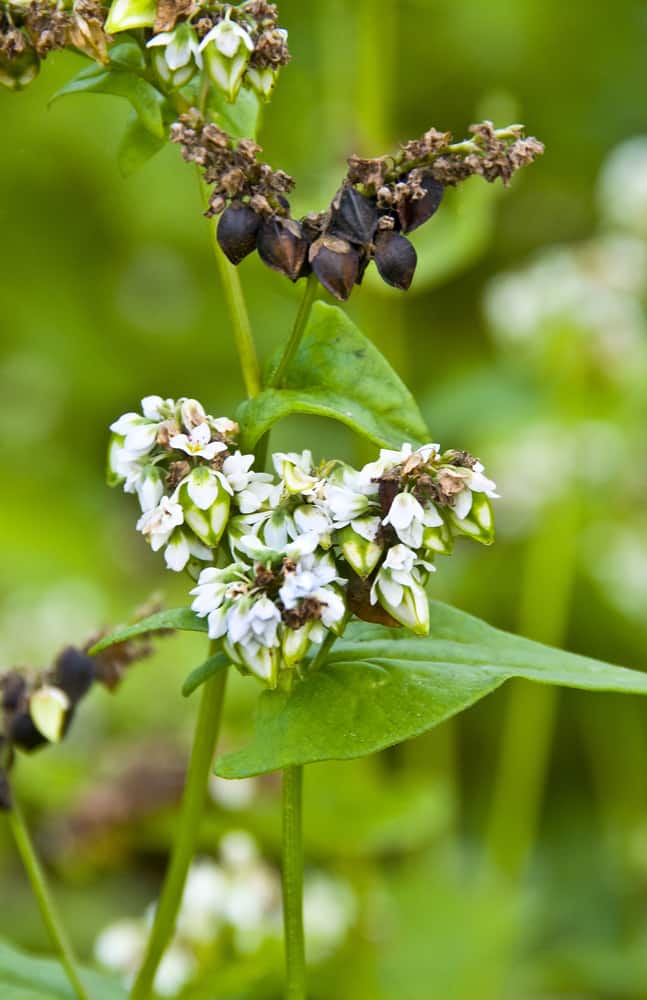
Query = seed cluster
x=38 y=707
x=379 y=202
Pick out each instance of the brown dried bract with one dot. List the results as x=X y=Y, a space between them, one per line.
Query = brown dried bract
x=169 y=12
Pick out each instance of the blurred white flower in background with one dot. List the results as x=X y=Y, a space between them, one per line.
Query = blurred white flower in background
x=622 y=187
x=240 y=896
x=233 y=794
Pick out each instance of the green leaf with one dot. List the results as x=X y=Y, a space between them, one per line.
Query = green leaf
x=338 y=373
x=128 y=54
x=177 y=619
x=202 y=673
x=137 y=146
x=241 y=119
x=25 y=977
x=144 y=98
x=382 y=686
x=453 y=239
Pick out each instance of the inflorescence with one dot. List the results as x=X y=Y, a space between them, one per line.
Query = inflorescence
x=283 y=561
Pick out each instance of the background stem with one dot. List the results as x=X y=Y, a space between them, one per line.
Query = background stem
x=546 y=590
x=46 y=905
x=292 y=875
x=300 y=323
x=204 y=745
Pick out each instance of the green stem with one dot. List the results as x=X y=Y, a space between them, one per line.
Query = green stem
x=46 y=905
x=237 y=310
x=307 y=302
x=546 y=590
x=204 y=745
x=292 y=872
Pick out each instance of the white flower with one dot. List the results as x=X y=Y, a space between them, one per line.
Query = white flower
x=158 y=409
x=158 y=524
x=192 y=413
x=296 y=471
x=406 y=515
x=180 y=58
x=121 y=946
x=204 y=486
x=198 y=443
x=227 y=49
x=254 y=623
x=252 y=489
x=306 y=580
x=181 y=547
x=399 y=588
x=228 y=37
x=139 y=434
x=149 y=488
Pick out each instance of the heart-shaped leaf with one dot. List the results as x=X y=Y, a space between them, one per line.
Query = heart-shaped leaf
x=382 y=686
x=177 y=619
x=25 y=977
x=338 y=373
x=145 y=99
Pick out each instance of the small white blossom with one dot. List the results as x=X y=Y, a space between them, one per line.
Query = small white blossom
x=198 y=443
x=181 y=55
x=158 y=524
x=227 y=49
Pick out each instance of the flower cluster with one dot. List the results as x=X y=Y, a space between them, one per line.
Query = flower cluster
x=379 y=201
x=300 y=551
x=187 y=474
x=234 y=901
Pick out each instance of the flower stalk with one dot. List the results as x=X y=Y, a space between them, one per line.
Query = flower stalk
x=204 y=746
x=292 y=878
x=300 y=323
x=46 y=905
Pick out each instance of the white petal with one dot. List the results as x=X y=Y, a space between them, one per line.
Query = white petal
x=177 y=552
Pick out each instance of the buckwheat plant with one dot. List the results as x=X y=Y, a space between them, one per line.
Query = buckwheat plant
x=306 y=574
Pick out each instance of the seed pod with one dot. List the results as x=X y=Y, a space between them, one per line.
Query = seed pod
x=414 y=212
x=395 y=259
x=73 y=673
x=354 y=217
x=336 y=264
x=238 y=231
x=282 y=246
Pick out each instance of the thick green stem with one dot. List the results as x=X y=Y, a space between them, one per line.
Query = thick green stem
x=46 y=905
x=300 y=323
x=204 y=745
x=295 y=963
x=527 y=733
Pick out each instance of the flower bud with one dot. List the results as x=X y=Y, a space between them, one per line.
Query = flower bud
x=262 y=80
x=478 y=523
x=437 y=540
x=354 y=217
x=336 y=264
x=205 y=502
x=282 y=246
x=261 y=661
x=227 y=49
x=48 y=708
x=408 y=603
x=238 y=231
x=295 y=644
x=395 y=259
x=415 y=212
x=20 y=70
x=127 y=14
x=361 y=554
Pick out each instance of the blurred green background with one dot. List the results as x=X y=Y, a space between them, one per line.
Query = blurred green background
x=503 y=856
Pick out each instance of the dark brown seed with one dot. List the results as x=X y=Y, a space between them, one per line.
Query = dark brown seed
x=282 y=246
x=336 y=264
x=354 y=217
x=414 y=213
x=13 y=689
x=23 y=733
x=73 y=673
x=395 y=259
x=238 y=231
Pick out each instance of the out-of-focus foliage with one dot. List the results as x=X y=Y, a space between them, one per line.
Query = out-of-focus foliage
x=524 y=336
